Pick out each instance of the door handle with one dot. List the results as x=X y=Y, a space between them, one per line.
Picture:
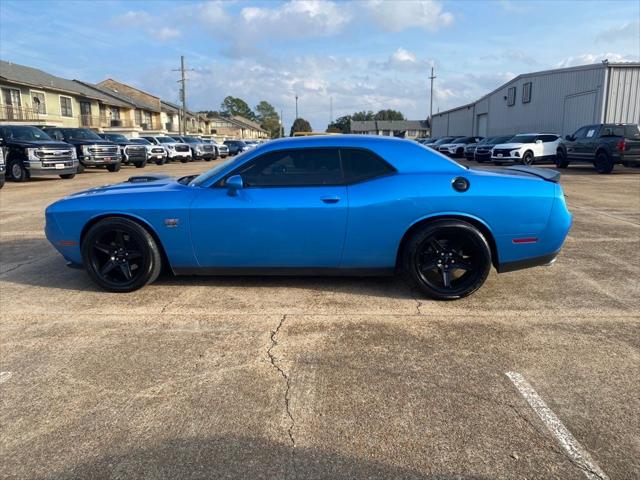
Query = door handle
x=330 y=199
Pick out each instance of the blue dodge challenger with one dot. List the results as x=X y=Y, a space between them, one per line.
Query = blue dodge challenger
x=326 y=205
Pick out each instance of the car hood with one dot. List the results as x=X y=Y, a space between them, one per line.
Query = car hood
x=40 y=143
x=508 y=146
x=133 y=184
x=91 y=142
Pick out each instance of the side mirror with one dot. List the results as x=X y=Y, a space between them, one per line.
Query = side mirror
x=569 y=138
x=538 y=141
x=234 y=184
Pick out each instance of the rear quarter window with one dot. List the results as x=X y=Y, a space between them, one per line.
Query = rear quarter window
x=360 y=165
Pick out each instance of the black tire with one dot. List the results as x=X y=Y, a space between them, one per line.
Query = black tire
x=80 y=168
x=2 y=180
x=479 y=160
x=184 y=159
x=141 y=164
x=16 y=170
x=161 y=161
x=528 y=159
x=447 y=259
x=602 y=163
x=67 y=176
x=561 y=159
x=120 y=255
x=460 y=152
x=114 y=167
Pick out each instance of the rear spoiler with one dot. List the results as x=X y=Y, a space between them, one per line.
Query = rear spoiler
x=547 y=174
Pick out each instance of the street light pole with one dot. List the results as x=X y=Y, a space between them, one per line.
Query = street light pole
x=432 y=77
x=296 y=106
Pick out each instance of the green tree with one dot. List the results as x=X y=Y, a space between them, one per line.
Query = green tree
x=362 y=116
x=268 y=118
x=388 y=115
x=231 y=106
x=341 y=124
x=300 y=125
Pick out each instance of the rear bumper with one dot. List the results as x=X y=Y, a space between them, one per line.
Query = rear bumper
x=544 y=260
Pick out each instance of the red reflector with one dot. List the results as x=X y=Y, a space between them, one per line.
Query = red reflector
x=525 y=240
x=621 y=145
x=67 y=243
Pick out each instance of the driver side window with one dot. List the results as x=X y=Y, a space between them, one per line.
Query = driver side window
x=297 y=167
x=581 y=133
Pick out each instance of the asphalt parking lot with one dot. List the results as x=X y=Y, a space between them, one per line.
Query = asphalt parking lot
x=321 y=377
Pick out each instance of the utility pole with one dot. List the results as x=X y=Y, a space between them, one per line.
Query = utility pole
x=296 y=106
x=183 y=95
x=281 y=125
x=330 y=110
x=432 y=78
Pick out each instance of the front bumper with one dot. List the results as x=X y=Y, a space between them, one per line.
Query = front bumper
x=506 y=159
x=174 y=154
x=40 y=169
x=100 y=161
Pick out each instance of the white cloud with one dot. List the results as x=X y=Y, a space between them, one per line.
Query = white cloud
x=404 y=14
x=147 y=22
x=590 y=58
x=165 y=33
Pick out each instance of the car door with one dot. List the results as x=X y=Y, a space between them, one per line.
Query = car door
x=573 y=145
x=290 y=213
x=549 y=145
x=587 y=145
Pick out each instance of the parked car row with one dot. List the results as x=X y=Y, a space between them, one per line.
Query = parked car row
x=28 y=151
x=604 y=145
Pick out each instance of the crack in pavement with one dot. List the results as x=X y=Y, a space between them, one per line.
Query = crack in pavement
x=287 y=399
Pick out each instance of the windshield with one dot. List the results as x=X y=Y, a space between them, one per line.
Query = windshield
x=443 y=140
x=191 y=139
x=26 y=133
x=79 y=134
x=116 y=138
x=200 y=179
x=166 y=140
x=523 y=139
x=141 y=141
x=498 y=140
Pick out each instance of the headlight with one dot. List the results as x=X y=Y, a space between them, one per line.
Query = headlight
x=31 y=153
x=171 y=147
x=74 y=155
x=85 y=150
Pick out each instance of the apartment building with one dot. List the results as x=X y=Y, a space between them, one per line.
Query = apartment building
x=34 y=97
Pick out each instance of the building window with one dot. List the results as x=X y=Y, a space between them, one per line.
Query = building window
x=138 y=117
x=115 y=113
x=39 y=102
x=526 y=92
x=65 y=107
x=511 y=96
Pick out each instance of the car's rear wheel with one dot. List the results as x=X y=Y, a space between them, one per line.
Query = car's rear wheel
x=528 y=159
x=603 y=163
x=120 y=255
x=561 y=159
x=447 y=259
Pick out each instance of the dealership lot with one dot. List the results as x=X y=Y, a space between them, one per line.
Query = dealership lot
x=202 y=377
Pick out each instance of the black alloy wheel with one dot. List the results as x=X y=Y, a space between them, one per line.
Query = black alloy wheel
x=603 y=163
x=448 y=259
x=120 y=255
x=561 y=159
x=528 y=159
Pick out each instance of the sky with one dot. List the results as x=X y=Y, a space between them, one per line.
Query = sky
x=363 y=55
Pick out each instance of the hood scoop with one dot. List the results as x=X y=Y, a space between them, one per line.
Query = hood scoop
x=147 y=178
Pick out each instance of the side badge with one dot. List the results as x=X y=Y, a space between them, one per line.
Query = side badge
x=171 y=222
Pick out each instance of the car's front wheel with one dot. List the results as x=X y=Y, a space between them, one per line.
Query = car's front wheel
x=140 y=164
x=67 y=176
x=120 y=255
x=561 y=159
x=16 y=170
x=528 y=159
x=447 y=259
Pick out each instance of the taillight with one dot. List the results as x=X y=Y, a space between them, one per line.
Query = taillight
x=621 y=145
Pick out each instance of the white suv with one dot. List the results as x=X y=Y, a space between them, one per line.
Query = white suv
x=527 y=148
x=175 y=150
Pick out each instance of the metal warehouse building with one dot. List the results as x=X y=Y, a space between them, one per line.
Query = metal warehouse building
x=557 y=101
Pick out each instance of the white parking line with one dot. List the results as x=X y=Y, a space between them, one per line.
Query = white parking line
x=573 y=448
x=4 y=376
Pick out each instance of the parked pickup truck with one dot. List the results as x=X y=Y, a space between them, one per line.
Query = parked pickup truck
x=604 y=145
x=92 y=151
x=30 y=152
x=132 y=153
